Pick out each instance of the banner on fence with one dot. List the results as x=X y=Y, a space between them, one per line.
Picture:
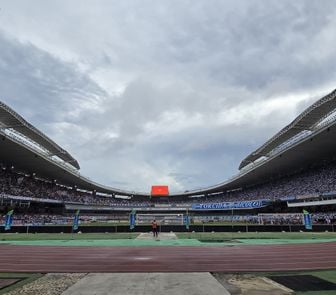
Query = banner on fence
x=132 y=219
x=76 y=221
x=231 y=205
x=307 y=220
x=9 y=220
x=186 y=220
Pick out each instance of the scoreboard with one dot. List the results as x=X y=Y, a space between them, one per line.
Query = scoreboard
x=160 y=191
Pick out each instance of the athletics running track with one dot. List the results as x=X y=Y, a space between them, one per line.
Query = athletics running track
x=15 y=258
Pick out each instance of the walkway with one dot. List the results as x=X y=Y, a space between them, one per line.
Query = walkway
x=148 y=283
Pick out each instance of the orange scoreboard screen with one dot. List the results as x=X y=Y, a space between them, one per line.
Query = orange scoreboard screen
x=159 y=190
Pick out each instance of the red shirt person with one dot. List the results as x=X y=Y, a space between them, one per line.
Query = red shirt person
x=155 y=228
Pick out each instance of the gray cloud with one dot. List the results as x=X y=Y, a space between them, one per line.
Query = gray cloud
x=176 y=92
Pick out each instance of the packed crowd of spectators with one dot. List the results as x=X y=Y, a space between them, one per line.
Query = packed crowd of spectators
x=297 y=218
x=313 y=182
x=35 y=219
x=38 y=219
x=271 y=219
x=15 y=184
x=268 y=219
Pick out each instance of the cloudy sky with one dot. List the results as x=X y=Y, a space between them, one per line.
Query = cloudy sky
x=164 y=92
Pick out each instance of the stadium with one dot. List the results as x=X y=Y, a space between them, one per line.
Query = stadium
x=277 y=214
x=167 y=147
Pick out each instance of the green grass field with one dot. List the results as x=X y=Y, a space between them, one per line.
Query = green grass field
x=58 y=236
x=258 y=235
x=184 y=239
x=184 y=235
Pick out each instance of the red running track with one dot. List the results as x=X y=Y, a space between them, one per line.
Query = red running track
x=168 y=259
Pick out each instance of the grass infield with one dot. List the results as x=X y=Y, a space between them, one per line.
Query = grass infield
x=257 y=235
x=184 y=239
x=185 y=235
x=59 y=236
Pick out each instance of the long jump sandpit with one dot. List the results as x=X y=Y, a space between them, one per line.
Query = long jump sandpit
x=247 y=258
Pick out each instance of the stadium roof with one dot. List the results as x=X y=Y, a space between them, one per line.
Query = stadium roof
x=319 y=144
x=318 y=147
x=295 y=157
x=307 y=120
x=9 y=119
x=16 y=154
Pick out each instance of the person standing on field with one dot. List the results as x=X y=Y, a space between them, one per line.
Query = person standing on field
x=155 y=228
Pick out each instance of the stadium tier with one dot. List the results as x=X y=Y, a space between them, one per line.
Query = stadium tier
x=310 y=183
x=294 y=169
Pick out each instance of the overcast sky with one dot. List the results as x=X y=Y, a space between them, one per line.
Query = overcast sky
x=164 y=92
